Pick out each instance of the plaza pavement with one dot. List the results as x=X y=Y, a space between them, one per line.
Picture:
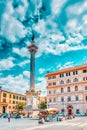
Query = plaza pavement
x=27 y=124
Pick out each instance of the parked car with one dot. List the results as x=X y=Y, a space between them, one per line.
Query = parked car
x=17 y=116
x=62 y=114
x=79 y=114
x=4 y=115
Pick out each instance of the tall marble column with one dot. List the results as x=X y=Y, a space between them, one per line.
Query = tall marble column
x=32 y=49
x=32 y=94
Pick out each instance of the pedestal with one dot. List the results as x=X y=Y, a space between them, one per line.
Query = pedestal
x=32 y=99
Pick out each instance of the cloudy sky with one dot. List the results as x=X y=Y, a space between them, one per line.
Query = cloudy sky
x=60 y=29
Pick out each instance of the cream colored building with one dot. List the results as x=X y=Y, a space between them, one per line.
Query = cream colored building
x=67 y=89
x=8 y=101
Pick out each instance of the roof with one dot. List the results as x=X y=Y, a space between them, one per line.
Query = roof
x=66 y=70
x=13 y=92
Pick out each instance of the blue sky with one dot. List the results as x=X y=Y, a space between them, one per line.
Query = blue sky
x=60 y=29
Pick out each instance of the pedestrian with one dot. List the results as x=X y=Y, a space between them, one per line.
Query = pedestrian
x=9 y=117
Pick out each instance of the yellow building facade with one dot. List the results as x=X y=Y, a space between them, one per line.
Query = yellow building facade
x=8 y=101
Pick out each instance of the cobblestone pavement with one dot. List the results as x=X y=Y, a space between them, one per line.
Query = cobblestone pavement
x=27 y=124
x=17 y=124
x=74 y=124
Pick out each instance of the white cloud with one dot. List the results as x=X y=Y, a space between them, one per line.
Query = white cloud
x=66 y=65
x=77 y=9
x=15 y=84
x=11 y=28
x=56 y=6
x=23 y=51
x=19 y=84
x=41 y=70
x=24 y=63
x=42 y=86
x=40 y=79
x=27 y=74
x=6 y=64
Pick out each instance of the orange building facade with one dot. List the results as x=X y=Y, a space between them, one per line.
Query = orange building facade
x=67 y=89
x=8 y=101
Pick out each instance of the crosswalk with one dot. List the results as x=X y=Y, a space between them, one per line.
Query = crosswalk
x=60 y=124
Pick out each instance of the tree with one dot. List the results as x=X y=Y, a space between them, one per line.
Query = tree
x=20 y=106
x=43 y=105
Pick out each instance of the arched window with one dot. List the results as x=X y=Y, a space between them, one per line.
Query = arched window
x=68 y=81
x=62 y=90
x=54 y=100
x=76 y=88
x=75 y=80
x=61 y=82
x=68 y=89
x=69 y=99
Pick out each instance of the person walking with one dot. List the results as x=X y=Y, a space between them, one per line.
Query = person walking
x=9 y=117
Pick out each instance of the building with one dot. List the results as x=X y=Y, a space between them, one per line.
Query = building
x=8 y=101
x=67 y=89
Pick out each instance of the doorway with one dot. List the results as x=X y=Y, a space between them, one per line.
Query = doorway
x=4 y=109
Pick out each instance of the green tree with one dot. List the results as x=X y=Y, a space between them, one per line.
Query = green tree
x=20 y=106
x=43 y=105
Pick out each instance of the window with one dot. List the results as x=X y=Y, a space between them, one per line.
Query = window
x=49 y=77
x=13 y=96
x=13 y=102
x=85 y=87
x=62 y=99
x=84 y=78
x=69 y=99
x=77 y=98
x=20 y=98
x=75 y=72
x=61 y=82
x=16 y=97
x=86 y=98
x=54 y=100
x=54 y=83
x=61 y=75
x=49 y=84
x=68 y=74
x=4 y=95
x=62 y=90
x=84 y=71
x=49 y=92
x=50 y=100
x=10 y=96
x=68 y=89
x=54 y=91
x=68 y=81
x=75 y=80
x=76 y=88
x=9 y=107
x=54 y=77
x=4 y=100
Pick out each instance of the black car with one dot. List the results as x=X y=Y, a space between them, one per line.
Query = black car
x=17 y=116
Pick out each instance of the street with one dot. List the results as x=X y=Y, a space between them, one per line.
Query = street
x=79 y=123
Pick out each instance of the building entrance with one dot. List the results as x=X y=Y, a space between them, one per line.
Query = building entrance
x=4 y=109
x=70 y=110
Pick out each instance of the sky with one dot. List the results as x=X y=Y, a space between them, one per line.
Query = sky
x=60 y=30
